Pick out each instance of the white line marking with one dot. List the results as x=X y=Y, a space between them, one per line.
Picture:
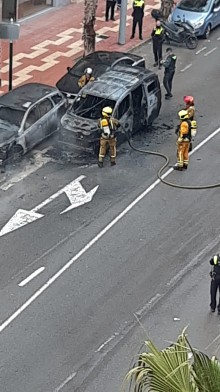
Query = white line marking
x=148 y=304
x=187 y=67
x=32 y=276
x=104 y=344
x=29 y=169
x=218 y=39
x=201 y=50
x=206 y=54
x=37 y=294
x=68 y=379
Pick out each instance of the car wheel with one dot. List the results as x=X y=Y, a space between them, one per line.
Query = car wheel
x=207 y=32
x=15 y=153
x=191 y=42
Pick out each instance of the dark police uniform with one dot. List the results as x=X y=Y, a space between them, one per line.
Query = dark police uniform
x=170 y=67
x=215 y=282
x=138 y=13
x=157 y=38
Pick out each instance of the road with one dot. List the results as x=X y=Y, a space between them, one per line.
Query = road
x=118 y=255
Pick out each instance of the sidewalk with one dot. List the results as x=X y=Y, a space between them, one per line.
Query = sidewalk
x=53 y=40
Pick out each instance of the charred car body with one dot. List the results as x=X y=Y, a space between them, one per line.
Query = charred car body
x=100 y=62
x=28 y=114
x=134 y=95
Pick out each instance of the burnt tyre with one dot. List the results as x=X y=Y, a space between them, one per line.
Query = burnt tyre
x=191 y=42
x=15 y=153
x=207 y=32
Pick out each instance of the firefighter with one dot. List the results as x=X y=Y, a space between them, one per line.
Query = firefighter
x=108 y=125
x=157 y=38
x=86 y=78
x=184 y=137
x=170 y=67
x=137 y=14
x=215 y=282
x=190 y=107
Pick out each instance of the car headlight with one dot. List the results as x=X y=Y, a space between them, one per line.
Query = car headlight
x=198 y=24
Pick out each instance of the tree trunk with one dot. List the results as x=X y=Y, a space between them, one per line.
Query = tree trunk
x=89 y=26
x=166 y=8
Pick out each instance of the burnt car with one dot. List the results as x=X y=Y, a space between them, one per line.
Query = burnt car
x=28 y=114
x=100 y=62
x=133 y=93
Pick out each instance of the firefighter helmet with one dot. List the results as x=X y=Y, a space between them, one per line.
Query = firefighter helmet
x=107 y=111
x=183 y=114
x=88 y=71
x=188 y=99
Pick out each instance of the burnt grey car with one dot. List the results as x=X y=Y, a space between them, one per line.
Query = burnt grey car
x=100 y=62
x=28 y=115
x=133 y=93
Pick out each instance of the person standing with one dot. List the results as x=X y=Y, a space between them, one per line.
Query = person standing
x=190 y=107
x=108 y=126
x=170 y=67
x=137 y=14
x=184 y=138
x=215 y=282
x=157 y=38
x=110 y=6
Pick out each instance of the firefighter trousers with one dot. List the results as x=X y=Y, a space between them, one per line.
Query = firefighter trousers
x=215 y=285
x=104 y=143
x=183 y=154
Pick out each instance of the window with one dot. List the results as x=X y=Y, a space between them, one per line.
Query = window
x=195 y=5
x=32 y=118
x=56 y=98
x=90 y=106
x=123 y=106
x=44 y=107
x=12 y=116
x=151 y=86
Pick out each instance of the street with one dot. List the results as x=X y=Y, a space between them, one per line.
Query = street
x=136 y=249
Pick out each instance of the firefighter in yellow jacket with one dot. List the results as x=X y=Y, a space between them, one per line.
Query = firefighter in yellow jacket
x=190 y=107
x=108 y=125
x=86 y=78
x=183 y=141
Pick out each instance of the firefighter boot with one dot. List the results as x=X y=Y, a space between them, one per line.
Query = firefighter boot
x=113 y=163
x=185 y=166
x=179 y=168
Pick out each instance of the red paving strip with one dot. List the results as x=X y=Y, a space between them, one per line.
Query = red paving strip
x=51 y=41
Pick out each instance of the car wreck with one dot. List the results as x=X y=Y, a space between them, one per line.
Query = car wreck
x=28 y=115
x=100 y=62
x=133 y=93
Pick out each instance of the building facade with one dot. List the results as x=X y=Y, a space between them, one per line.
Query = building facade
x=19 y=9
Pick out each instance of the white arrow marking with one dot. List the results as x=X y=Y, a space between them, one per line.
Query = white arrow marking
x=75 y=193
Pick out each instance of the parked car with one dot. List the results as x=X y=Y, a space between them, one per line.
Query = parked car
x=99 y=61
x=28 y=114
x=204 y=15
x=133 y=93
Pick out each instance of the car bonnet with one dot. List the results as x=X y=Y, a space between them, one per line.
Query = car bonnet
x=190 y=16
x=79 y=125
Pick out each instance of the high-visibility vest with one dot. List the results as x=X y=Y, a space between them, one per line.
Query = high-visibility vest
x=158 y=31
x=138 y=3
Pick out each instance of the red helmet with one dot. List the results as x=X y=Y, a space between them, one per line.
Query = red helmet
x=188 y=99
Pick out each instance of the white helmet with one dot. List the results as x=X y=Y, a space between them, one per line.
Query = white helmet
x=88 y=71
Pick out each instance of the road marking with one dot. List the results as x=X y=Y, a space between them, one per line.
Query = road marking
x=39 y=161
x=212 y=50
x=95 y=239
x=201 y=50
x=75 y=193
x=30 y=277
x=187 y=67
x=68 y=379
x=218 y=39
x=105 y=343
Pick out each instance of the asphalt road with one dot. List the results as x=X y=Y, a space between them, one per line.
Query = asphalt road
x=113 y=257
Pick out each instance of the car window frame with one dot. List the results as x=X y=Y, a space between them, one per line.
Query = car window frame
x=24 y=129
x=41 y=102
x=119 y=103
x=56 y=94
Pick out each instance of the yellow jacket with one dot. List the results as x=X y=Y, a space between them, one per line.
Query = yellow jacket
x=83 y=80
x=191 y=111
x=108 y=127
x=184 y=132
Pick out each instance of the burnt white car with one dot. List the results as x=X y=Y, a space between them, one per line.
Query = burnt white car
x=28 y=115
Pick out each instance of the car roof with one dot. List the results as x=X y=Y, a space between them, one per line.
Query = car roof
x=99 y=61
x=115 y=82
x=28 y=93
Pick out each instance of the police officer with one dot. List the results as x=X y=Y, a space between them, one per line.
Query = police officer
x=108 y=125
x=170 y=67
x=86 y=78
x=110 y=5
x=215 y=282
x=138 y=14
x=183 y=141
x=157 y=38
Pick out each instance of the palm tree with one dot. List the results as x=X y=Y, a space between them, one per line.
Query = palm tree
x=90 y=7
x=178 y=368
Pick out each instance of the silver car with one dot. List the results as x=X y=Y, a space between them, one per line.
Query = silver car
x=28 y=115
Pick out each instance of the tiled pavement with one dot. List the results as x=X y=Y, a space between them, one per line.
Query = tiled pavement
x=51 y=41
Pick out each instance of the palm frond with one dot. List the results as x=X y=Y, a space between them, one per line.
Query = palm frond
x=206 y=372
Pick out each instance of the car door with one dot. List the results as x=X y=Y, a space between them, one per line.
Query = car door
x=216 y=13
x=48 y=116
x=123 y=112
x=139 y=108
x=150 y=87
x=32 y=128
